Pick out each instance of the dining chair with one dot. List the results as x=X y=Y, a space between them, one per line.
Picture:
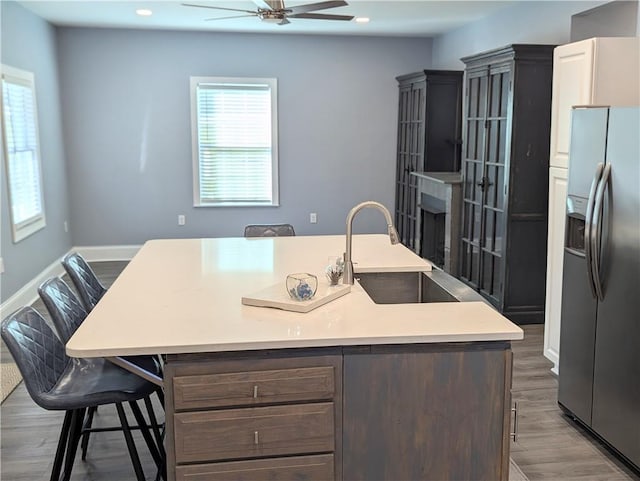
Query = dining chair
x=269 y=230
x=56 y=382
x=67 y=314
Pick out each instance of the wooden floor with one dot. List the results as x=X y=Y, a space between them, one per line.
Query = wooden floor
x=550 y=446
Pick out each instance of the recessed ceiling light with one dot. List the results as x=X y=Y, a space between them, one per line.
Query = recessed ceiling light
x=362 y=19
x=144 y=12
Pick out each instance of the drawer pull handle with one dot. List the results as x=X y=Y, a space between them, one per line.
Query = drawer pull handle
x=255 y=391
x=255 y=438
x=514 y=433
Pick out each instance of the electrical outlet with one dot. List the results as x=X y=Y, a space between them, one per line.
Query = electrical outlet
x=1 y=265
x=65 y=224
x=182 y=219
x=313 y=218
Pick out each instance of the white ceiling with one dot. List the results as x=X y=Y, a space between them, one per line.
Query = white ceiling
x=417 y=18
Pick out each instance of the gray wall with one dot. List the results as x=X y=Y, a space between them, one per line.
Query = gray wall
x=620 y=18
x=29 y=43
x=127 y=128
x=125 y=113
x=544 y=22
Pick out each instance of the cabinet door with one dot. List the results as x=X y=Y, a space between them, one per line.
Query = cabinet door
x=572 y=85
x=420 y=414
x=410 y=159
x=473 y=173
x=492 y=242
x=484 y=180
x=555 y=254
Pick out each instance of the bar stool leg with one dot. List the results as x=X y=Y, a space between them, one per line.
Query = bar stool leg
x=86 y=433
x=146 y=434
x=74 y=439
x=62 y=442
x=160 y=394
x=154 y=425
x=135 y=460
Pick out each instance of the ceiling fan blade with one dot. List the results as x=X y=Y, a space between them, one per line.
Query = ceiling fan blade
x=311 y=7
x=218 y=8
x=269 y=4
x=321 y=16
x=276 y=4
x=227 y=18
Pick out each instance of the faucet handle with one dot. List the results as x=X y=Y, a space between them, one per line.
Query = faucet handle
x=393 y=234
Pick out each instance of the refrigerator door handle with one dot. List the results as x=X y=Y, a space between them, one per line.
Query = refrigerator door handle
x=596 y=231
x=588 y=221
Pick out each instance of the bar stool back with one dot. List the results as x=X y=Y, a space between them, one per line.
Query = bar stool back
x=269 y=230
x=84 y=279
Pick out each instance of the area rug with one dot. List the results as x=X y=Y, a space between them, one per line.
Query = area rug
x=515 y=473
x=9 y=378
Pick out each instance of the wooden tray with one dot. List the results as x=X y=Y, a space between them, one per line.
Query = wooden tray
x=276 y=296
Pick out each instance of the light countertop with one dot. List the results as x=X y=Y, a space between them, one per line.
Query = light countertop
x=184 y=296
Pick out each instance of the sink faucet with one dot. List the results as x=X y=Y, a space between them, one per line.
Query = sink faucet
x=393 y=235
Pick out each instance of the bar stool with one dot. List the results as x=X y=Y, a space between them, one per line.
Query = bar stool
x=91 y=290
x=67 y=315
x=269 y=230
x=55 y=382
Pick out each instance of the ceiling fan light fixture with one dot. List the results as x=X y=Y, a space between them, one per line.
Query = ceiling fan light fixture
x=275 y=17
x=362 y=19
x=144 y=12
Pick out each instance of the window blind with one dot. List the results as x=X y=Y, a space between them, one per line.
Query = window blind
x=22 y=153
x=235 y=143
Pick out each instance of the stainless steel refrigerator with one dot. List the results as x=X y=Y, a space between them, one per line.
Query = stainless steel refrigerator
x=599 y=371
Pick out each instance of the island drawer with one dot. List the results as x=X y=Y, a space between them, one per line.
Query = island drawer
x=281 y=469
x=254 y=432
x=253 y=387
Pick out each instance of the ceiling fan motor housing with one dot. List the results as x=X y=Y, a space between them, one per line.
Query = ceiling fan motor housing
x=272 y=16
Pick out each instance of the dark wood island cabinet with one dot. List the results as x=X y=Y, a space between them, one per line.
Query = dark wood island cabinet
x=376 y=412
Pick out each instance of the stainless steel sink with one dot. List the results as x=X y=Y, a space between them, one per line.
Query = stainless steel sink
x=415 y=287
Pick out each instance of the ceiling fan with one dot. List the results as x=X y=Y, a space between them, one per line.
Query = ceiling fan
x=274 y=11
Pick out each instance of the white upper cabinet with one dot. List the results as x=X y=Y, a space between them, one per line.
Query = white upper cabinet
x=596 y=71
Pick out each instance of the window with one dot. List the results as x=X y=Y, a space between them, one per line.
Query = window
x=235 y=149
x=22 y=152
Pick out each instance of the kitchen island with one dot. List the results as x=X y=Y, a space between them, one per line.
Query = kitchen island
x=351 y=390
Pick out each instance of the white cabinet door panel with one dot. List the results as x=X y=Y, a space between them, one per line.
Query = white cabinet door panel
x=555 y=254
x=572 y=85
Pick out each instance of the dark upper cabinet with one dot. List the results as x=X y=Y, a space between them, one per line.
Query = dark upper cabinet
x=429 y=138
x=505 y=166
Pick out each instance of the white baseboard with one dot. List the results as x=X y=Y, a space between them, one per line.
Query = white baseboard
x=29 y=292
x=107 y=253
x=553 y=356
